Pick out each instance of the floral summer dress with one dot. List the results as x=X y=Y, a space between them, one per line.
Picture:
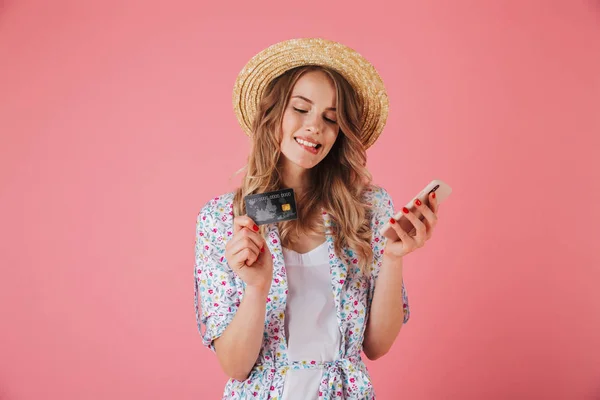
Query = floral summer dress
x=219 y=291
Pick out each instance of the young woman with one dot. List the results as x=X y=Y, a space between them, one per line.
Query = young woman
x=288 y=307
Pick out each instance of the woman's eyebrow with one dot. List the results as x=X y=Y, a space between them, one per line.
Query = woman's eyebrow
x=310 y=101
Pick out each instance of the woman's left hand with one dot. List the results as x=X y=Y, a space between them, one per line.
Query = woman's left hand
x=423 y=229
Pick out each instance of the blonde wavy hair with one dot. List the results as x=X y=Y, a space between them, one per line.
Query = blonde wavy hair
x=337 y=183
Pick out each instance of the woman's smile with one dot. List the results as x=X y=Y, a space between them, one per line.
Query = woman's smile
x=308 y=145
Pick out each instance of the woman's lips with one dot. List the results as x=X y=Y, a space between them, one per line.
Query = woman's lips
x=310 y=149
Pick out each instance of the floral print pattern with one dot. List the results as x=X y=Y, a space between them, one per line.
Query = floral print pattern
x=218 y=292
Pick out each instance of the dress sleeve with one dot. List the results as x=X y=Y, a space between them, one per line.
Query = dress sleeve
x=216 y=297
x=383 y=210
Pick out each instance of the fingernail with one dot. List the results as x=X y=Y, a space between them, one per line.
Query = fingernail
x=262 y=249
x=392 y=220
x=418 y=202
x=433 y=195
x=255 y=228
x=405 y=210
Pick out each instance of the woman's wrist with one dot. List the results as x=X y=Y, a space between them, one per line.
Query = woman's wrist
x=392 y=260
x=388 y=255
x=256 y=291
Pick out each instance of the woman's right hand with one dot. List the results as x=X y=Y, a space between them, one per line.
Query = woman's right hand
x=248 y=255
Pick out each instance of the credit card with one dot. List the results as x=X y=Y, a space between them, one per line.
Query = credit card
x=271 y=207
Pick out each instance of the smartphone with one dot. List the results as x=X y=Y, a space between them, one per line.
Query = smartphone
x=442 y=191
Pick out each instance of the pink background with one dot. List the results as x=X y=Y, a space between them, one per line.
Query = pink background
x=117 y=126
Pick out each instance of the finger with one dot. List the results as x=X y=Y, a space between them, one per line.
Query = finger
x=244 y=221
x=402 y=234
x=245 y=257
x=430 y=219
x=420 y=228
x=251 y=258
x=263 y=249
x=243 y=243
x=433 y=203
x=255 y=237
x=241 y=234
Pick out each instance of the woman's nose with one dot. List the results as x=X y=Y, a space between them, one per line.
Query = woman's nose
x=312 y=124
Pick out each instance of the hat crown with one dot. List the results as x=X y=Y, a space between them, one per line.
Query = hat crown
x=280 y=57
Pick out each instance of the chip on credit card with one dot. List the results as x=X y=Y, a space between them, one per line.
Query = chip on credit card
x=271 y=207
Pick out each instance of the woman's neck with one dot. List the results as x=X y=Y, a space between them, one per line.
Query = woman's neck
x=295 y=177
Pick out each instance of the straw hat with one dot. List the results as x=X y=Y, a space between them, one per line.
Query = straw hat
x=280 y=57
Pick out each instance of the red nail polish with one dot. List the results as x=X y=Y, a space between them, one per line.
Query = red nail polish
x=262 y=249
x=392 y=221
x=405 y=210
x=418 y=202
x=255 y=228
x=433 y=195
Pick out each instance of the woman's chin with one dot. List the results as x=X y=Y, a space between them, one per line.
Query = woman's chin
x=306 y=164
x=302 y=161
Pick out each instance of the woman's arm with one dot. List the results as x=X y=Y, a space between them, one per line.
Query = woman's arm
x=387 y=312
x=234 y=326
x=239 y=346
x=248 y=255
x=386 y=315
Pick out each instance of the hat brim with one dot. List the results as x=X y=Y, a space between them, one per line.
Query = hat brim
x=283 y=56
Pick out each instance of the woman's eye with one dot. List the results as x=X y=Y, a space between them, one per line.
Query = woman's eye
x=305 y=111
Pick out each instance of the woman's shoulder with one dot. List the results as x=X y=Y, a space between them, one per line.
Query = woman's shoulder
x=220 y=204
x=377 y=197
x=216 y=215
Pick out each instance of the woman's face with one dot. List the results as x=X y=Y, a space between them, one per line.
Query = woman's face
x=309 y=126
